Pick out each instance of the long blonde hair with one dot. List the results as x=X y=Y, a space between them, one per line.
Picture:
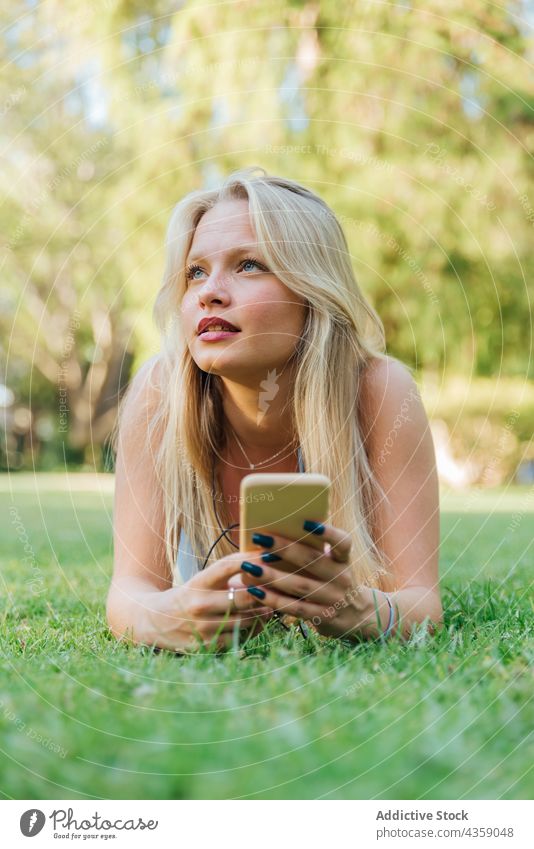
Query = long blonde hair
x=304 y=245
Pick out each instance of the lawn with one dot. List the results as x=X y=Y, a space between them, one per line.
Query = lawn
x=83 y=717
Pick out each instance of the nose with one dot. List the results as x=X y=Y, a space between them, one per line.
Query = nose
x=214 y=291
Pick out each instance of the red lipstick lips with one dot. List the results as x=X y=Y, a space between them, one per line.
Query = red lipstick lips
x=215 y=321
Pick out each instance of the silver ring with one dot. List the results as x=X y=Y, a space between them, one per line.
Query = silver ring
x=231 y=596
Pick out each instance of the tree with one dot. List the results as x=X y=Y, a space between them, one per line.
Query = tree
x=415 y=127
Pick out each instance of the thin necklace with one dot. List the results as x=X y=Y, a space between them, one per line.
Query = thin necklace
x=263 y=462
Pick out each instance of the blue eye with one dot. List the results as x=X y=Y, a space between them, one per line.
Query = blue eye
x=250 y=261
x=191 y=271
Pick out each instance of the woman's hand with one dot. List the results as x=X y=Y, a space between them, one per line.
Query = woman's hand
x=312 y=581
x=200 y=612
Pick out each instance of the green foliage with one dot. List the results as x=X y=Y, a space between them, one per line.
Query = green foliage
x=490 y=422
x=415 y=127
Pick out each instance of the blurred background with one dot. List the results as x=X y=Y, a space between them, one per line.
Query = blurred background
x=413 y=121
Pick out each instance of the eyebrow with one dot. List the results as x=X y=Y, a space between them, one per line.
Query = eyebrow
x=232 y=252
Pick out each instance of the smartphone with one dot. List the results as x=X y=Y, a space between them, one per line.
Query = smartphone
x=279 y=503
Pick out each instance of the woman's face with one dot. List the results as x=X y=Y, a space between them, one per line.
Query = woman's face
x=228 y=277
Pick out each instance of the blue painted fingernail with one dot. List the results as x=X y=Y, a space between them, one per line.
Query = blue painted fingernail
x=269 y=558
x=255 y=591
x=314 y=527
x=263 y=540
x=251 y=568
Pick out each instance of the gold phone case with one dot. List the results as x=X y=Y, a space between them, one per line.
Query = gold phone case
x=279 y=503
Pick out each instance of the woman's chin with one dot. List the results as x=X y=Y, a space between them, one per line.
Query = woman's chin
x=232 y=368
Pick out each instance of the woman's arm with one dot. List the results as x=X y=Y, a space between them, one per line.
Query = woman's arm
x=142 y=604
x=399 y=446
x=140 y=573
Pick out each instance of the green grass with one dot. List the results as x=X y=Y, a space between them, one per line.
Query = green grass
x=81 y=716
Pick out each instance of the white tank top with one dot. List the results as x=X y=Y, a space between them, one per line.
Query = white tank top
x=187 y=562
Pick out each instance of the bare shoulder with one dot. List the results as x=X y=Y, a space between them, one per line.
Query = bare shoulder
x=140 y=402
x=385 y=379
x=146 y=382
x=144 y=389
x=390 y=399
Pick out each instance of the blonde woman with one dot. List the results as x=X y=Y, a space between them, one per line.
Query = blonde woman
x=271 y=360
